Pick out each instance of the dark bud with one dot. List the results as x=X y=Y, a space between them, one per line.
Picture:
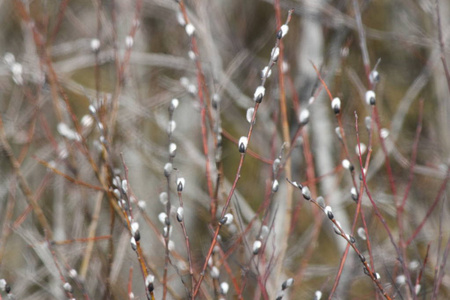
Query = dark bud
x=336 y=110
x=351 y=168
x=362 y=258
x=279 y=34
x=287 y=283
x=330 y=215
x=366 y=271
x=223 y=220
x=259 y=98
x=137 y=236
x=7 y=288
x=352 y=240
x=243 y=142
x=150 y=287
x=355 y=196
x=336 y=105
x=306 y=193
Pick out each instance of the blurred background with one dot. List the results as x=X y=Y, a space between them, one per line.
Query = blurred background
x=129 y=59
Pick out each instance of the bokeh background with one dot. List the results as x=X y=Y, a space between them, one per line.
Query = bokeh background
x=47 y=53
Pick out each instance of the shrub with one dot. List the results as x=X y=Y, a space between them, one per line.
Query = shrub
x=224 y=149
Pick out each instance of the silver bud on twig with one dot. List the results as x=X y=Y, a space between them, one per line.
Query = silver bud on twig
x=368 y=123
x=304 y=117
x=224 y=287
x=242 y=144
x=317 y=295
x=259 y=94
x=266 y=72
x=180 y=184
x=68 y=287
x=172 y=149
x=374 y=77
x=338 y=133
x=354 y=193
x=287 y=284
x=133 y=243
x=180 y=214
x=370 y=97
x=275 y=186
x=306 y=193
x=275 y=53
x=329 y=212
x=336 y=105
x=256 y=247
x=168 y=169
x=321 y=201
x=283 y=31
x=190 y=29
x=249 y=114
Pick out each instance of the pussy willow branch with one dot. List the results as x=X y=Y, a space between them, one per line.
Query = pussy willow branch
x=359 y=212
x=205 y=106
x=401 y=247
x=238 y=172
x=286 y=139
x=350 y=241
x=377 y=211
x=24 y=186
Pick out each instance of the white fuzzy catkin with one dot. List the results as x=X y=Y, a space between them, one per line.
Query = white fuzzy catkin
x=180 y=184
x=275 y=186
x=327 y=210
x=336 y=105
x=362 y=233
x=384 y=133
x=174 y=103
x=171 y=127
x=346 y=164
x=149 y=279
x=180 y=214
x=242 y=144
x=361 y=146
x=304 y=117
x=229 y=219
x=317 y=295
x=266 y=72
x=162 y=218
x=129 y=41
x=95 y=45
x=67 y=287
x=133 y=243
x=256 y=246
x=134 y=227
x=215 y=272
x=224 y=287
x=65 y=131
x=163 y=198
x=284 y=30
x=249 y=114
x=259 y=93
x=275 y=53
x=370 y=97
x=190 y=29
x=172 y=149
